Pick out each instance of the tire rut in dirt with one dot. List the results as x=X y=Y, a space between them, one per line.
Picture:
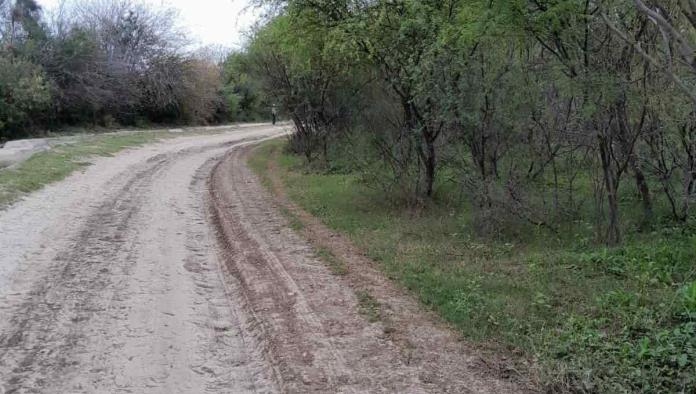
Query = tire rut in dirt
x=44 y=333
x=48 y=327
x=307 y=321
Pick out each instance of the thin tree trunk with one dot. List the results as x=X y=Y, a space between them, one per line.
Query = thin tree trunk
x=430 y=164
x=644 y=190
x=626 y=138
x=611 y=182
x=672 y=203
x=613 y=230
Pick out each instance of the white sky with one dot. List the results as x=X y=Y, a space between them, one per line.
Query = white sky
x=209 y=22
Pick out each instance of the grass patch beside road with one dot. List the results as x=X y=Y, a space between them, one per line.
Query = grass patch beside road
x=594 y=319
x=369 y=307
x=60 y=161
x=335 y=264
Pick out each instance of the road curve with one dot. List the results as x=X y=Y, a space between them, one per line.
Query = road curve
x=109 y=280
x=169 y=269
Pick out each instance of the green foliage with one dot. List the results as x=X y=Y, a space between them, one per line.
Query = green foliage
x=100 y=63
x=590 y=359
x=304 y=74
x=23 y=93
x=659 y=262
x=596 y=319
x=243 y=94
x=687 y=296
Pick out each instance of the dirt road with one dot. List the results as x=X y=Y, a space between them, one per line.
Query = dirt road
x=167 y=269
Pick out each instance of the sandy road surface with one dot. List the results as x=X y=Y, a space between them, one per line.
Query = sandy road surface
x=109 y=281
x=168 y=269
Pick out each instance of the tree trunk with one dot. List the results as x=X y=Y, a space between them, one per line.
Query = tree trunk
x=689 y=169
x=688 y=192
x=644 y=190
x=626 y=138
x=672 y=203
x=430 y=164
x=613 y=230
x=611 y=182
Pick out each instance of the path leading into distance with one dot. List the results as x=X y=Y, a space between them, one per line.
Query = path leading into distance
x=168 y=269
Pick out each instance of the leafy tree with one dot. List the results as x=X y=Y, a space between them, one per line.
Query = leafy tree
x=243 y=93
x=300 y=72
x=106 y=62
x=23 y=93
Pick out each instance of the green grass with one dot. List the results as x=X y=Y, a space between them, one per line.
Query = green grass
x=57 y=163
x=259 y=160
x=595 y=319
x=295 y=223
x=336 y=265
x=369 y=306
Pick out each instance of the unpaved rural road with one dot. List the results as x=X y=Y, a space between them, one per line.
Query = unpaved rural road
x=167 y=269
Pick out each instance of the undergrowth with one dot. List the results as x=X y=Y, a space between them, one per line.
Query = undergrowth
x=594 y=319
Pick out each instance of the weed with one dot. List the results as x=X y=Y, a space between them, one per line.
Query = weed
x=294 y=222
x=334 y=263
x=596 y=319
x=369 y=306
x=687 y=296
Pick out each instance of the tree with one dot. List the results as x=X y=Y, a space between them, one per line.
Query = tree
x=300 y=71
x=23 y=93
x=243 y=93
x=105 y=62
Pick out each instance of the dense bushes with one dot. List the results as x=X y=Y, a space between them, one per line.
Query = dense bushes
x=547 y=111
x=107 y=62
x=558 y=125
x=24 y=91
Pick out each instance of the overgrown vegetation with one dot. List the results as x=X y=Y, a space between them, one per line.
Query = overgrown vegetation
x=595 y=319
x=539 y=112
x=526 y=167
x=110 y=63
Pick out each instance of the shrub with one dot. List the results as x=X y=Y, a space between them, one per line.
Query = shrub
x=23 y=93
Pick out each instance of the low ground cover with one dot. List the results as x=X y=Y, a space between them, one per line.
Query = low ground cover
x=594 y=319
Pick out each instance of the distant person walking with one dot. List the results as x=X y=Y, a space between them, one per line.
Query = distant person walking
x=274 y=112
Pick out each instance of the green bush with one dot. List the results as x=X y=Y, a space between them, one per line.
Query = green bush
x=639 y=336
x=596 y=319
x=23 y=93
x=639 y=356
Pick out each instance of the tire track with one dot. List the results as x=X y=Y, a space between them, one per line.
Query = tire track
x=309 y=323
x=57 y=299
x=250 y=260
x=131 y=300
x=307 y=319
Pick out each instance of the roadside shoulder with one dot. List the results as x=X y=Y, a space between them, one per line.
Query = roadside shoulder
x=421 y=334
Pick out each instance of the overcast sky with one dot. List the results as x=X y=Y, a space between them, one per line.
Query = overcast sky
x=209 y=22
